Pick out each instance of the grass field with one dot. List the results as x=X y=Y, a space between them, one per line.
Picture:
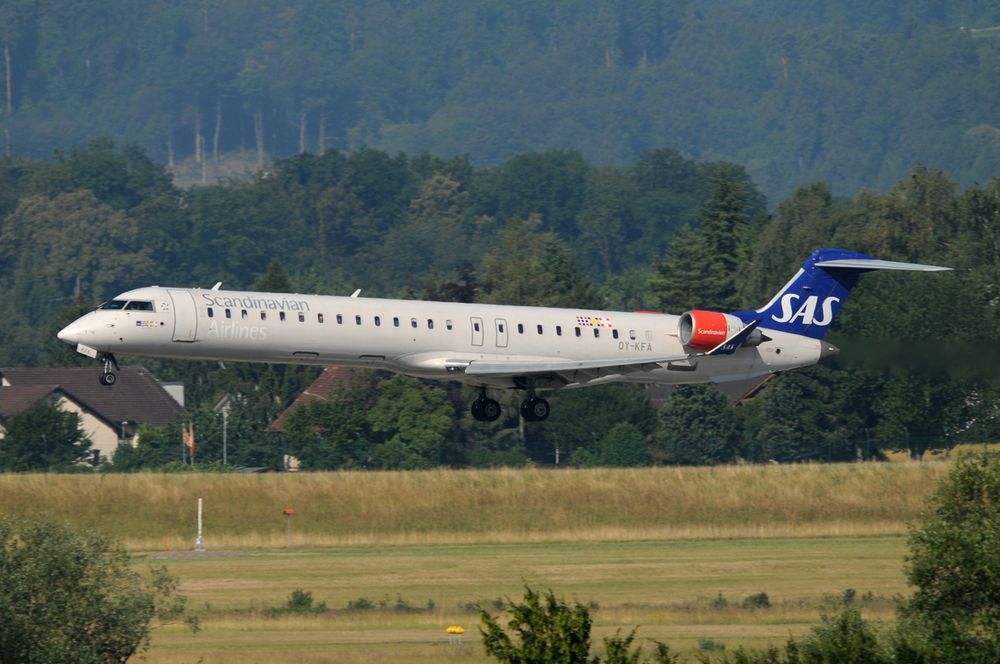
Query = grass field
x=652 y=547
x=667 y=588
x=149 y=511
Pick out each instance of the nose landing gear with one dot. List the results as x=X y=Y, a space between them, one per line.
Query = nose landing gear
x=108 y=377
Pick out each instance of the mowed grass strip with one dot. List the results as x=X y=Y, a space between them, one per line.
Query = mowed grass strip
x=667 y=588
x=151 y=511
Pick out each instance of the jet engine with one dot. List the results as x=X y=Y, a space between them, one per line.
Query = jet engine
x=704 y=330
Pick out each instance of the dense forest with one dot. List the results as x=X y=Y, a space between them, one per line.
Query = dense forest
x=917 y=369
x=849 y=93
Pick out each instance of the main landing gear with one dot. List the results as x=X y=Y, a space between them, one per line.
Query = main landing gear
x=533 y=409
x=108 y=377
x=485 y=409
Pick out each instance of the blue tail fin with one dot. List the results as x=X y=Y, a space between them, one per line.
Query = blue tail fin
x=809 y=301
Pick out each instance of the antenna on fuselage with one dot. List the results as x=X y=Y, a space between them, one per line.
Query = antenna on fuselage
x=356 y=293
x=217 y=285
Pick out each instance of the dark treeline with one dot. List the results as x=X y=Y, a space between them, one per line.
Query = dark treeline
x=848 y=93
x=546 y=228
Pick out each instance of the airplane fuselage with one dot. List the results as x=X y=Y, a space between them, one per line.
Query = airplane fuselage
x=436 y=340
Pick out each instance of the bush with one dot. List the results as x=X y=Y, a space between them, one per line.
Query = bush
x=844 y=638
x=546 y=629
x=75 y=597
x=757 y=601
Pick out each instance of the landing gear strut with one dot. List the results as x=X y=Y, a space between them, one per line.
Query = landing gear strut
x=485 y=409
x=534 y=409
x=108 y=377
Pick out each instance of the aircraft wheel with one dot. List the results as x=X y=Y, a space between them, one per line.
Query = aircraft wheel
x=108 y=379
x=486 y=410
x=490 y=410
x=534 y=409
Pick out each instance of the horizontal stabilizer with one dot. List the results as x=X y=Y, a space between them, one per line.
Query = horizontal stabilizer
x=876 y=264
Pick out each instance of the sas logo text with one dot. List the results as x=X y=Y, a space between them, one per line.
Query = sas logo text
x=806 y=311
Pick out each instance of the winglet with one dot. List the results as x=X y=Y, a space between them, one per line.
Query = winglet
x=732 y=344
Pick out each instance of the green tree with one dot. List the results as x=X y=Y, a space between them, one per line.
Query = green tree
x=76 y=597
x=696 y=427
x=534 y=268
x=416 y=420
x=704 y=266
x=43 y=437
x=335 y=432
x=623 y=445
x=155 y=447
x=954 y=563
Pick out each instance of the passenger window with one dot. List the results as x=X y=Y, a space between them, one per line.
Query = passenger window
x=413 y=322
x=229 y=314
x=475 y=326
x=500 y=328
x=448 y=324
x=577 y=331
x=631 y=335
x=520 y=328
x=243 y=314
x=430 y=324
x=211 y=313
x=340 y=319
x=395 y=321
x=357 y=320
x=597 y=332
x=319 y=317
x=614 y=333
x=539 y=329
x=281 y=315
x=558 y=330
x=263 y=315
x=378 y=321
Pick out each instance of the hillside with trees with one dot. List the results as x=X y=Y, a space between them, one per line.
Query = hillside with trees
x=545 y=228
x=852 y=94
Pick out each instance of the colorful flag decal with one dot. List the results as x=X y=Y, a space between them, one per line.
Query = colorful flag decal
x=593 y=321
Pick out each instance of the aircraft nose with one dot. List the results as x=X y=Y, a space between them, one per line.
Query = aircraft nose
x=70 y=334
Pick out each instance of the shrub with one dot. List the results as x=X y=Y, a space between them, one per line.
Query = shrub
x=75 y=597
x=757 y=601
x=844 y=638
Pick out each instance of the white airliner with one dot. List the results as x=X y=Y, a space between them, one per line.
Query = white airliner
x=527 y=348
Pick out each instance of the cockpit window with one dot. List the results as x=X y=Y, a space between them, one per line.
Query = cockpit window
x=113 y=304
x=138 y=305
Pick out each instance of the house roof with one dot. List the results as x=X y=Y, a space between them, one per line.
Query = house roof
x=15 y=400
x=135 y=397
x=325 y=387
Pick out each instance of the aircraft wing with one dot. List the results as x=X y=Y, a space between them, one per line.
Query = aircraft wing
x=586 y=371
x=568 y=372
